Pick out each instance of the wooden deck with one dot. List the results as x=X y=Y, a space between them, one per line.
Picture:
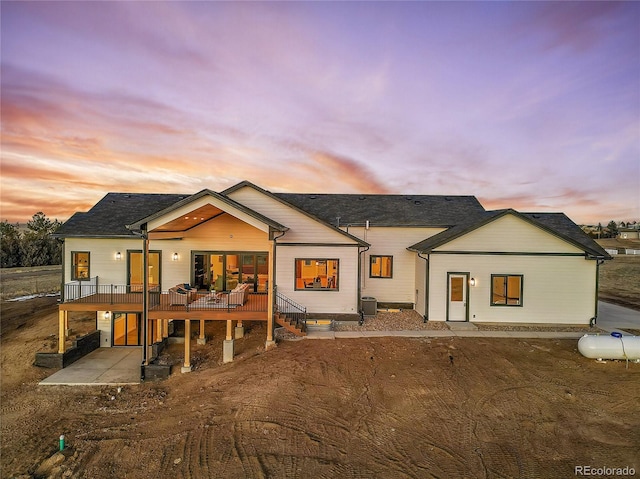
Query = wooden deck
x=160 y=306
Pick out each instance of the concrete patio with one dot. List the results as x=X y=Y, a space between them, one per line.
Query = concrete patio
x=104 y=366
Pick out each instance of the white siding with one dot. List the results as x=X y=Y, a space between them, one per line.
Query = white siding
x=344 y=301
x=102 y=259
x=509 y=234
x=224 y=233
x=302 y=229
x=556 y=289
x=104 y=326
x=390 y=241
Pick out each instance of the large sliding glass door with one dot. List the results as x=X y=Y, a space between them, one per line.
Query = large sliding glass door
x=225 y=270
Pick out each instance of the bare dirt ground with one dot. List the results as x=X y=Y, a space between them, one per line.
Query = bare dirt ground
x=619 y=281
x=380 y=407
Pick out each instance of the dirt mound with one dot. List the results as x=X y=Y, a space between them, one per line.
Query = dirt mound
x=379 y=407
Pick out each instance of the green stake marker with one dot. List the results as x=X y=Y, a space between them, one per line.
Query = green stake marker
x=62 y=442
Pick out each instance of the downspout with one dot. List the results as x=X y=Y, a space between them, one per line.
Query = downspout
x=142 y=233
x=274 y=286
x=594 y=320
x=64 y=262
x=145 y=295
x=359 y=293
x=426 y=288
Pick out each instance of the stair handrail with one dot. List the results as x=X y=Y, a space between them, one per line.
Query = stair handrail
x=293 y=310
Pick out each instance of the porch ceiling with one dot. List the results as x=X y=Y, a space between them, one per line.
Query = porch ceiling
x=193 y=218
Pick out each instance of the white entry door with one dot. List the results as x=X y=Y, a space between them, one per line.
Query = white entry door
x=457 y=310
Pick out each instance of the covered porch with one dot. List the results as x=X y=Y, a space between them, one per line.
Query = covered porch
x=205 y=258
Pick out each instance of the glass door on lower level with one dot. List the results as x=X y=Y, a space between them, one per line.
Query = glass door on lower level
x=127 y=329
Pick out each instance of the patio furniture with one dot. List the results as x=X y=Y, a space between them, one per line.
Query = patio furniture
x=179 y=295
x=239 y=294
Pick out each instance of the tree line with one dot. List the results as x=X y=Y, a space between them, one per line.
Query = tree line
x=31 y=247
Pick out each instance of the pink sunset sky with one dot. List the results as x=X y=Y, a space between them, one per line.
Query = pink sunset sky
x=528 y=105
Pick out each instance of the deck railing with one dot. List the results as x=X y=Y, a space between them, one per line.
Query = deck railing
x=225 y=301
x=91 y=291
x=80 y=289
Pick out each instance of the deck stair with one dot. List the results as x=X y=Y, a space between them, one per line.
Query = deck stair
x=290 y=315
x=290 y=324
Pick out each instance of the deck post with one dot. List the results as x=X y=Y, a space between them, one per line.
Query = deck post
x=201 y=338
x=187 y=346
x=228 y=345
x=165 y=328
x=239 y=333
x=159 y=324
x=67 y=331
x=62 y=319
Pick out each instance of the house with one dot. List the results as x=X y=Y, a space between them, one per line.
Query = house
x=143 y=262
x=629 y=233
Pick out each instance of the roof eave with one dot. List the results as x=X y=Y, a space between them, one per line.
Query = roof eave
x=207 y=192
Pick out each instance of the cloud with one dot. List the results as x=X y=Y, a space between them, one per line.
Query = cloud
x=577 y=26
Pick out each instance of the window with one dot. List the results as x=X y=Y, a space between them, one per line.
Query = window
x=79 y=265
x=506 y=290
x=380 y=266
x=316 y=274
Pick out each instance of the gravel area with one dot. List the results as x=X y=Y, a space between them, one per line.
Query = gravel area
x=539 y=327
x=411 y=320
x=401 y=320
x=635 y=332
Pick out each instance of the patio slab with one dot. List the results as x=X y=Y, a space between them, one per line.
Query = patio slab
x=102 y=367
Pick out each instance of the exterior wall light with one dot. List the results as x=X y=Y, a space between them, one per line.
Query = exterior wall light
x=174 y=257
x=107 y=314
x=472 y=281
x=118 y=256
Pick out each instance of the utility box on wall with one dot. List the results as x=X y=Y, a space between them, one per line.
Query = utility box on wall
x=369 y=306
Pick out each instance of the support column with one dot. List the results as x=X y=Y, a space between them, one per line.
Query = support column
x=201 y=338
x=67 y=331
x=270 y=296
x=187 y=347
x=62 y=320
x=227 y=347
x=165 y=328
x=159 y=323
x=239 y=330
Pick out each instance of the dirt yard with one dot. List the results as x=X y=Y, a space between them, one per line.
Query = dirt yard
x=619 y=281
x=344 y=408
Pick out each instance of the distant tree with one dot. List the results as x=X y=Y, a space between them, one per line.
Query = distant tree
x=10 y=245
x=613 y=229
x=38 y=247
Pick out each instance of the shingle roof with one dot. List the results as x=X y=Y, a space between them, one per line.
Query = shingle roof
x=112 y=213
x=460 y=214
x=386 y=210
x=555 y=223
x=561 y=224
